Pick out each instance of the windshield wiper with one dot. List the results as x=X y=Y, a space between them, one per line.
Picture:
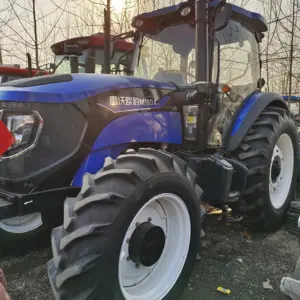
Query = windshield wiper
x=61 y=61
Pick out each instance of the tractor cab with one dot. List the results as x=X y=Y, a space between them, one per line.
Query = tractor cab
x=176 y=56
x=86 y=54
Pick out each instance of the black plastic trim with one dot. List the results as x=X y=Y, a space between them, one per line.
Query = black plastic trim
x=22 y=204
x=240 y=175
x=41 y=80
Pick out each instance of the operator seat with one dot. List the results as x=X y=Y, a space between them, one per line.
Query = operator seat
x=165 y=76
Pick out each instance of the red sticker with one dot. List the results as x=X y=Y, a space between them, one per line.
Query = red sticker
x=6 y=138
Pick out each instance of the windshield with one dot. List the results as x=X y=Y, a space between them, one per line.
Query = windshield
x=172 y=57
x=63 y=64
x=97 y=53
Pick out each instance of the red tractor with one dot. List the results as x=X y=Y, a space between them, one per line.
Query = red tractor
x=77 y=55
x=14 y=71
x=87 y=54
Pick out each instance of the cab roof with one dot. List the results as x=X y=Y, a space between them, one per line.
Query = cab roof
x=251 y=19
x=91 y=41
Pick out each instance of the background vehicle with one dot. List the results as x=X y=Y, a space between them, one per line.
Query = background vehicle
x=86 y=54
x=13 y=72
x=139 y=152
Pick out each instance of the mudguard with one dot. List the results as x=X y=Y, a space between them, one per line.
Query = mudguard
x=249 y=113
x=117 y=136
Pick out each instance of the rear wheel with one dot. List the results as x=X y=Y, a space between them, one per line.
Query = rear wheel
x=269 y=150
x=21 y=228
x=132 y=233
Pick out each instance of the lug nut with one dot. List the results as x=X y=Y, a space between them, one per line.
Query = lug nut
x=128 y=258
x=137 y=224
x=137 y=265
x=127 y=241
x=149 y=219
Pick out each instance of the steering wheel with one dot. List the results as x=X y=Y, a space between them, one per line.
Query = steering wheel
x=186 y=73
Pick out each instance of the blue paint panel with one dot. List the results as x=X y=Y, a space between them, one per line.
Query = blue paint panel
x=81 y=87
x=150 y=127
x=244 y=112
x=94 y=162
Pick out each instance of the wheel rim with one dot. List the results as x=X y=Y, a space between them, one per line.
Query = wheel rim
x=281 y=171
x=139 y=282
x=22 y=224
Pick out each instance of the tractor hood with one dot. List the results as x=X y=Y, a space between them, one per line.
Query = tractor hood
x=68 y=88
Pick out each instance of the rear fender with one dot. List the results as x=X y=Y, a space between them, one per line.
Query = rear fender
x=250 y=111
x=117 y=136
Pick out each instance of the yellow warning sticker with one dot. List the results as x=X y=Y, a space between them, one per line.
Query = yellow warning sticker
x=191 y=119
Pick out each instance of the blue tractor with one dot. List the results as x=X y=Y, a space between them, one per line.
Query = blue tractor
x=130 y=158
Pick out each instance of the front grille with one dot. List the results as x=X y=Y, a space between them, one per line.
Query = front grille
x=63 y=129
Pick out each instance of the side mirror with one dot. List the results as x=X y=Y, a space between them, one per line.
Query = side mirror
x=125 y=64
x=74 y=63
x=222 y=16
x=90 y=65
x=215 y=61
x=51 y=66
x=112 y=49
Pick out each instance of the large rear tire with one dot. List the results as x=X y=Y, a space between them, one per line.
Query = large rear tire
x=269 y=150
x=132 y=233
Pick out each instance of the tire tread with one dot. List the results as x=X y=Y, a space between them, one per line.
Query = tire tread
x=103 y=192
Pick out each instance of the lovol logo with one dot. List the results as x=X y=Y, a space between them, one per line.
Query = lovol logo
x=131 y=101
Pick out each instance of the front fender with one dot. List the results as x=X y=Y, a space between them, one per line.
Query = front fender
x=250 y=111
x=117 y=136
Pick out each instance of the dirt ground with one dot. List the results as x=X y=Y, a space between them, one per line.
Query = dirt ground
x=229 y=258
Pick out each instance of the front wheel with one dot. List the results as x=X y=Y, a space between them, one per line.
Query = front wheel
x=132 y=233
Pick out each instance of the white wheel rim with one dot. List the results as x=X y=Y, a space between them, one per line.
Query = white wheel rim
x=23 y=224
x=143 y=283
x=280 y=183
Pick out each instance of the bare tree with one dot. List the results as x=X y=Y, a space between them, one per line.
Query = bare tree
x=20 y=28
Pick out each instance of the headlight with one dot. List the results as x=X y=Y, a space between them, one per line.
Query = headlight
x=25 y=126
x=185 y=11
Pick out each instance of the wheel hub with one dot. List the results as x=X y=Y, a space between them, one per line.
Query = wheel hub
x=276 y=168
x=281 y=171
x=146 y=244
